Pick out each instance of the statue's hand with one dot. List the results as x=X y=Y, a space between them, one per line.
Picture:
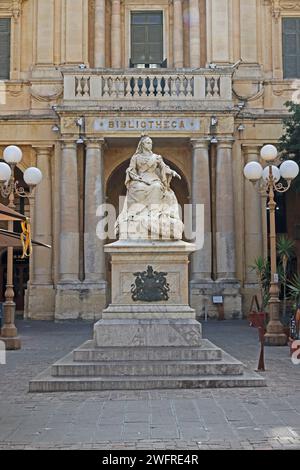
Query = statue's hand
x=176 y=175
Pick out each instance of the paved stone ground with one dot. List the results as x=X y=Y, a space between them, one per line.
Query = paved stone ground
x=252 y=418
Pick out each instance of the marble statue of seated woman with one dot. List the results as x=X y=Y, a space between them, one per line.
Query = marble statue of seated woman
x=150 y=209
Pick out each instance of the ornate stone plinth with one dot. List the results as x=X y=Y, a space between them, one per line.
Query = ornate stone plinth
x=129 y=257
x=143 y=269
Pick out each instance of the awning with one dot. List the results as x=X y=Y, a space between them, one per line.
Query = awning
x=13 y=239
x=9 y=214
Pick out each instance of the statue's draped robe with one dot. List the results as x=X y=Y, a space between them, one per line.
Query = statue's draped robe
x=151 y=208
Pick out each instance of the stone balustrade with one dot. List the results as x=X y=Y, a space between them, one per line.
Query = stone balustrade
x=147 y=84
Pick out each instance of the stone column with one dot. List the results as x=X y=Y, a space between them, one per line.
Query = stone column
x=116 y=34
x=40 y=296
x=42 y=258
x=253 y=219
x=94 y=258
x=94 y=300
x=99 y=45
x=69 y=215
x=225 y=239
x=178 y=34
x=194 y=33
x=201 y=259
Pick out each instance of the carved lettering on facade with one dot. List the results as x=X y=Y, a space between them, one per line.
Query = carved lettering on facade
x=137 y=124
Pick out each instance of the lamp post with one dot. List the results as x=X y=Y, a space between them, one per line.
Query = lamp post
x=9 y=187
x=270 y=178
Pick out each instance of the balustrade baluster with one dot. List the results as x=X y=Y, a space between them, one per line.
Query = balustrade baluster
x=86 y=86
x=78 y=86
x=151 y=87
x=109 y=85
x=159 y=87
x=190 y=86
x=143 y=87
x=125 y=85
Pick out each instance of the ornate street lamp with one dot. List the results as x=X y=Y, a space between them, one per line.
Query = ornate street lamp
x=9 y=187
x=273 y=179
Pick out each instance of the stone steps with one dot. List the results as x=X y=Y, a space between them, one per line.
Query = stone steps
x=88 y=353
x=92 y=368
x=47 y=383
x=66 y=367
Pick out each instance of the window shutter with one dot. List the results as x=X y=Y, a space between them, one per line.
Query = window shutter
x=146 y=38
x=4 y=48
x=291 y=47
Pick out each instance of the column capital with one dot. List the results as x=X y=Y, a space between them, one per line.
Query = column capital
x=251 y=152
x=43 y=149
x=199 y=143
x=95 y=144
x=68 y=144
x=251 y=148
x=225 y=142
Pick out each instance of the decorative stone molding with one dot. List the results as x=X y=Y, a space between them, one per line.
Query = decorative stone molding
x=279 y=7
x=46 y=92
x=12 y=8
x=276 y=9
x=16 y=9
x=69 y=124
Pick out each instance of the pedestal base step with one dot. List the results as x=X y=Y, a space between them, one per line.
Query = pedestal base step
x=91 y=368
x=88 y=353
x=46 y=383
x=67 y=368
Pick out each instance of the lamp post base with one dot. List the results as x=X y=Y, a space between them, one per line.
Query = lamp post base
x=275 y=339
x=11 y=344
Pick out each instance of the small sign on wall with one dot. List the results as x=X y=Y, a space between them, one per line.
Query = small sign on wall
x=218 y=299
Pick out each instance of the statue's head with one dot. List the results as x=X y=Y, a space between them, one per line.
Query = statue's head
x=145 y=144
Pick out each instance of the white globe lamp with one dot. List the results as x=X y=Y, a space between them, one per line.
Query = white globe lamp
x=275 y=173
x=268 y=153
x=289 y=170
x=32 y=176
x=12 y=154
x=5 y=172
x=253 y=171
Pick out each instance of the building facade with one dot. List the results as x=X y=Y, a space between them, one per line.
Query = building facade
x=80 y=80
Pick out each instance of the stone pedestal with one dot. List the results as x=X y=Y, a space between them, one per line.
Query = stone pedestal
x=128 y=322
x=129 y=257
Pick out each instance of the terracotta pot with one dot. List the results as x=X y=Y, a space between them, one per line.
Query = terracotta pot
x=257 y=319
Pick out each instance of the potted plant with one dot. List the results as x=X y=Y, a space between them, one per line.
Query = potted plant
x=285 y=250
x=262 y=268
x=294 y=289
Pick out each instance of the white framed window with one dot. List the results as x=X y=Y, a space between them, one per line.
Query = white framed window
x=146 y=28
x=5 y=39
x=160 y=7
x=291 y=47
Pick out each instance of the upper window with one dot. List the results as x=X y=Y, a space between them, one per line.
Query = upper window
x=146 y=39
x=291 y=47
x=4 y=48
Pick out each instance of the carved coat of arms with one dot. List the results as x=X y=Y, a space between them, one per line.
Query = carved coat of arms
x=150 y=286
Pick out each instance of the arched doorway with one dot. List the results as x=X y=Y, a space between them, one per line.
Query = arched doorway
x=21 y=277
x=21 y=266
